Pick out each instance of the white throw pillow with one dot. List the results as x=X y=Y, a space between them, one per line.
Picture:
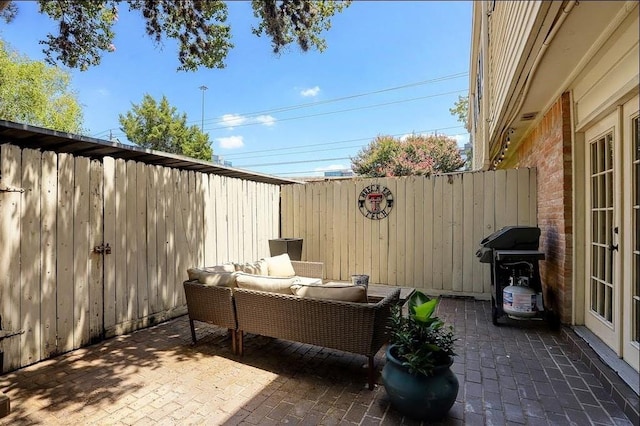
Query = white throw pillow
x=194 y=273
x=334 y=291
x=280 y=266
x=255 y=268
x=221 y=279
x=280 y=285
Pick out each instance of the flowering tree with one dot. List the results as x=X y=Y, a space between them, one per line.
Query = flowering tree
x=413 y=155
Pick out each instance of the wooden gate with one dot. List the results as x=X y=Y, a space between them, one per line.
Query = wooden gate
x=95 y=248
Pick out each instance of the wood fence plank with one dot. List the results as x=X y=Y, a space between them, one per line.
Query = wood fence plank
x=522 y=194
x=109 y=173
x=199 y=230
x=383 y=243
x=438 y=232
x=418 y=230
x=533 y=197
x=409 y=226
x=209 y=218
x=171 y=179
x=64 y=250
x=501 y=206
x=359 y=240
x=328 y=217
x=457 y=227
x=30 y=340
x=479 y=199
x=119 y=250
x=132 y=242
x=219 y=198
x=469 y=244
x=10 y=224
x=372 y=260
x=447 y=232
x=152 y=238
x=183 y=247
x=142 y=280
x=401 y=249
x=48 y=201
x=96 y=260
x=490 y=224
x=511 y=199
x=429 y=230
x=161 y=239
x=334 y=212
x=394 y=217
x=82 y=250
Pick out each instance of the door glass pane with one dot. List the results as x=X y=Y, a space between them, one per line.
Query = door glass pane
x=601 y=178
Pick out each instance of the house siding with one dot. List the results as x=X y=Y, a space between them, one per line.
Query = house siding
x=548 y=148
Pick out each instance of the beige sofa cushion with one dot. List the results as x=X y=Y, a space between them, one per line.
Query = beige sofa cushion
x=194 y=273
x=254 y=268
x=280 y=266
x=264 y=283
x=333 y=291
x=221 y=279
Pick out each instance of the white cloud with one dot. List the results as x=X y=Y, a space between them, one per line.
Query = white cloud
x=267 y=120
x=231 y=120
x=333 y=167
x=313 y=91
x=231 y=142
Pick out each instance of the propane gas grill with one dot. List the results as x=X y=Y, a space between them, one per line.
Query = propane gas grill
x=516 y=289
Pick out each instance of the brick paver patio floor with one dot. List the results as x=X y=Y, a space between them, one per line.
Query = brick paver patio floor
x=519 y=373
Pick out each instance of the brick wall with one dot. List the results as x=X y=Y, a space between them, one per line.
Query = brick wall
x=548 y=148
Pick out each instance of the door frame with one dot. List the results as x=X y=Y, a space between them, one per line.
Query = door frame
x=630 y=349
x=609 y=333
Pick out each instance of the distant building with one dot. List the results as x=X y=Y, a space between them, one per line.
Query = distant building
x=339 y=173
x=219 y=160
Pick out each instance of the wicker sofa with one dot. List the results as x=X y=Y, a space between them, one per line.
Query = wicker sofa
x=358 y=328
x=215 y=305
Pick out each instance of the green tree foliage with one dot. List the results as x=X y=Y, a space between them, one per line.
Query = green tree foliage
x=413 y=155
x=287 y=21
x=34 y=93
x=86 y=27
x=460 y=109
x=158 y=125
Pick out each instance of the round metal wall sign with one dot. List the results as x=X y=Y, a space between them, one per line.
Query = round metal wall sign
x=375 y=202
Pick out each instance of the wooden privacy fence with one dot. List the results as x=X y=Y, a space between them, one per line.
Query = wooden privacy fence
x=95 y=248
x=430 y=236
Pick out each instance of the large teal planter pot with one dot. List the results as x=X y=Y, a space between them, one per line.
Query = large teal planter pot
x=420 y=397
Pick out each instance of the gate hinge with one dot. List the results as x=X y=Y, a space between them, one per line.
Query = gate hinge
x=9 y=189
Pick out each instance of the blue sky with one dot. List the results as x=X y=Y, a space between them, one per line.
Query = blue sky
x=286 y=114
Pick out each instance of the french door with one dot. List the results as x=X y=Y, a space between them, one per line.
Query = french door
x=613 y=256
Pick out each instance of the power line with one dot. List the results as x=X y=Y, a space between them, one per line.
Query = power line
x=347 y=110
x=295 y=162
x=235 y=156
x=343 y=98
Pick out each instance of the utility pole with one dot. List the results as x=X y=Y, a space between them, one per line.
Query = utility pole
x=203 y=88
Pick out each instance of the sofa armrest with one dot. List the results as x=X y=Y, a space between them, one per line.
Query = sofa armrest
x=381 y=324
x=210 y=304
x=308 y=269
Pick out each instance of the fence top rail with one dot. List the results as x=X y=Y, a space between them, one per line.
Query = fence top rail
x=26 y=136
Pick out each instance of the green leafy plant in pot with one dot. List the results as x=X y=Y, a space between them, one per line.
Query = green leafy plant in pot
x=417 y=375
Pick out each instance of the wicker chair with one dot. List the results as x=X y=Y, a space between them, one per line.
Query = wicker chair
x=359 y=328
